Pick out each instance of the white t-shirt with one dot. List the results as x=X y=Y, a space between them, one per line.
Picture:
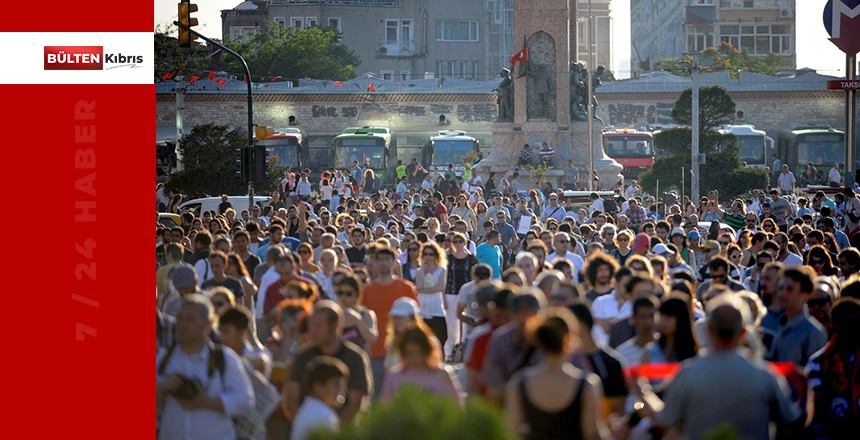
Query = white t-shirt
x=325 y=192
x=793 y=260
x=834 y=175
x=578 y=263
x=607 y=307
x=312 y=415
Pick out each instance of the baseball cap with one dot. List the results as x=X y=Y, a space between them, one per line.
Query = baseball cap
x=404 y=307
x=661 y=249
x=184 y=276
x=498 y=194
x=693 y=235
x=677 y=231
x=642 y=241
x=711 y=245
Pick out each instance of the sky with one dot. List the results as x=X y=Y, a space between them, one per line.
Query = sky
x=813 y=48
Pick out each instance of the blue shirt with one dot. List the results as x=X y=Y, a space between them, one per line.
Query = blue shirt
x=492 y=256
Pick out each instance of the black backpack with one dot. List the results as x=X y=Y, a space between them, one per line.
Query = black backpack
x=609 y=206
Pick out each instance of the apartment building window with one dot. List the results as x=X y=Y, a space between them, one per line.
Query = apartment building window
x=474 y=70
x=281 y=21
x=242 y=33
x=335 y=23
x=310 y=22
x=758 y=39
x=387 y=75
x=456 y=30
x=699 y=38
x=701 y=2
x=439 y=65
x=450 y=70
x=391 y=26
x=405 y=33
x=404 y=75
x=297 y=22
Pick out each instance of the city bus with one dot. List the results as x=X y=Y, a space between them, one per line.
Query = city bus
x=632 y=149
x=820 y=144
x=290 y=145
x=367 y=145
x=447 y=146
x=756 y=147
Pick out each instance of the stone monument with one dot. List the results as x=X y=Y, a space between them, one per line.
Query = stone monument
x=546 y=103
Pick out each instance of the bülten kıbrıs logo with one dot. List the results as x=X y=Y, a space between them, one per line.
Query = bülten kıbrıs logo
x=87 y=58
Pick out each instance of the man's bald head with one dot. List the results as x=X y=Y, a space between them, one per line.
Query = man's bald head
x=726 y=317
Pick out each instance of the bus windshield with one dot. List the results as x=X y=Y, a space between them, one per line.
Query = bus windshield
x=449 y=151
x=620 y=147
x=364 y=150
x=820 y=149
x=285 y=148
x=752 y=149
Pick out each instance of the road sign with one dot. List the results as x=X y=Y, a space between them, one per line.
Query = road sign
x=842 y=21
x=841 y=84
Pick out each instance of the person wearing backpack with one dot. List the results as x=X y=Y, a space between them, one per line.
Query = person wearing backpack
x=200 y=386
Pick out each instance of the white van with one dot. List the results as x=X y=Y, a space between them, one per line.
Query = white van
x=240 y=203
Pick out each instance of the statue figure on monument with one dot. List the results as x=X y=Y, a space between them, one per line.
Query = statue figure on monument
x=542 y=90
x=595 y=83
x=505 y=97
x=578 y=93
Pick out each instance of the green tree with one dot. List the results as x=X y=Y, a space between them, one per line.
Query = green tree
x=723 y=169
x=725 y=57
x=209 y=156
x=314 y=52
x=716 y=107
x=169 y=56
x=418 y=415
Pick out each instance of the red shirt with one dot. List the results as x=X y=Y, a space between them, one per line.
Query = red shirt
x=440 y=209
x=274 y=294
x=478 y=351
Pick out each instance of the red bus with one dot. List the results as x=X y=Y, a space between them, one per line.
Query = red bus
x=632 y=149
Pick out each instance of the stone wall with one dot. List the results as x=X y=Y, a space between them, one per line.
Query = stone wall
x=768 y=111
x=333 y=113
x=474 y=113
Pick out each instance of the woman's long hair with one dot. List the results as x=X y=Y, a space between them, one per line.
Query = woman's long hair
x=423 y=337
x=685 y=342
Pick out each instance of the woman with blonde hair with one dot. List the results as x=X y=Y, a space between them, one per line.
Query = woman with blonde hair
x=430 y=281
x=622 y=251
x=368 y=181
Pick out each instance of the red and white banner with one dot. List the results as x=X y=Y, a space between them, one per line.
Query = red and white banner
x=77 y=87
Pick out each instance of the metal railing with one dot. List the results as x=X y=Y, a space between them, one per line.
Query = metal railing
x=339 y=2
x=755 y=4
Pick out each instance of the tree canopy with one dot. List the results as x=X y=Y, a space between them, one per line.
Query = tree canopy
x=716 y=107
x=169 y=55
x=209 y=156
x=726 y=57
x=290 y=52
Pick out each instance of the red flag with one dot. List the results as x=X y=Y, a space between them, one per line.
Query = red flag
x=168 y=75
x=212 y=75
x=277 y=77
x=193 y=78
x=244 y=78
x=338 y=83
x=308 y=79
x=521 y=56
x=220 y=81
x=265 y=85
x=370 y=87
x=398 y=83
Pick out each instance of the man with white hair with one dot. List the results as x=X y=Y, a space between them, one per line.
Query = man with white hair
x=192 y=409
x=561 y=247
x=732 y=383
x=326 y=242
x=527 y=262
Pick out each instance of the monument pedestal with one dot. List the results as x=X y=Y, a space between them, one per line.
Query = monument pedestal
x=608 y=170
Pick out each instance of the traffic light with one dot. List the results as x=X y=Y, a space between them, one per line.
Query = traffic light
x=261 y=165
x=185 y=10
x=244 y=161
x=261 y=132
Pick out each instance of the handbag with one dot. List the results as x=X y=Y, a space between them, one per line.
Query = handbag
x=459 y=350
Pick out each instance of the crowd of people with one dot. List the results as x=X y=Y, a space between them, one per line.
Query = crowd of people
x=634 y=317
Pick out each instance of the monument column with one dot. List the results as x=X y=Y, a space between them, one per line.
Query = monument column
x=540 y=101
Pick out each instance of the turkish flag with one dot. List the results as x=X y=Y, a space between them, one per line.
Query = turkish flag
x=338 y=83
x=220 y=81
x=212 y=75
x=370 y=87
x=521 y=56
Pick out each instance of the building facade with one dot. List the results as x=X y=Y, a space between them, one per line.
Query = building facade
x=602 y=44
x=396 y=40
x=671 y=28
